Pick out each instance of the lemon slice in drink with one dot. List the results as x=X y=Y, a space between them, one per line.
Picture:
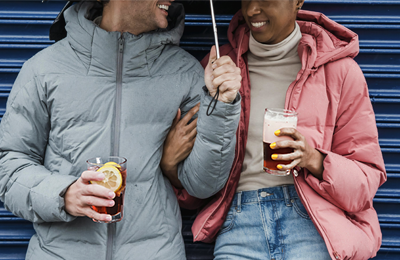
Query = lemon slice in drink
x=113 y=179
x=112 y=164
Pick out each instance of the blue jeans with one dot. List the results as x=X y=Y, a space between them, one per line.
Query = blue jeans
x=269 y=223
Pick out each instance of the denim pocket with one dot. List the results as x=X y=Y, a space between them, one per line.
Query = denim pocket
x=299 y=208
x=229 y=221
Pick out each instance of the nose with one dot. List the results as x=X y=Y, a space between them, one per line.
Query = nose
x=253 y=8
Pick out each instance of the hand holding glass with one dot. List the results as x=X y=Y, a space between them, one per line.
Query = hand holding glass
x=275 y=119
x=114 y=169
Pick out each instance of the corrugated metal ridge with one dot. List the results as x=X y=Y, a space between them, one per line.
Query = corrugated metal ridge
x=23 y=46
x=14 y=21
x=388 y=193
x=392 y=168
x=365 y=19
x=28 y=15
x=13 y=243
x=389 y=143
x=35 y=39
x=378 y=67
x=387 y=200
x=372 y=2
x=385 y=249
x=379 y=44
x=222 y=20
x=388 y=218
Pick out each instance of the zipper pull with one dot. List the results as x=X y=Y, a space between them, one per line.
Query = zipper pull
x=336 y=255
x=121 y=44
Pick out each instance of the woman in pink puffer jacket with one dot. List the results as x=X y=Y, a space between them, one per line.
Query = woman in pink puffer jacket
x=337 y=165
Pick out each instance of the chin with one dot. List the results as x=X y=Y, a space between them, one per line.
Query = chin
x=262 y=37
x=162 y=24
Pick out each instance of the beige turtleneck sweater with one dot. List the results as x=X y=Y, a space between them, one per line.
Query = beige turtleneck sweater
x=272 y=67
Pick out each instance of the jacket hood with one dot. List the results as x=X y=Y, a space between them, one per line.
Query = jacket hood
x=328 y=40
x=95 y=46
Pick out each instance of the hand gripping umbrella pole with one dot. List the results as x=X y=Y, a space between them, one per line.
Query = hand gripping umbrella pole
x=215 y=98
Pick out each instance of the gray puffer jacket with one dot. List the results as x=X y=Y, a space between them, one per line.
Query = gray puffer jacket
x=97 y=93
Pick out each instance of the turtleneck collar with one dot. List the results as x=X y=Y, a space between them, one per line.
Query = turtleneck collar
x=275 y=52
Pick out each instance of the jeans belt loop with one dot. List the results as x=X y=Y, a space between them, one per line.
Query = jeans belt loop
x=239 y=202
x=287 y=196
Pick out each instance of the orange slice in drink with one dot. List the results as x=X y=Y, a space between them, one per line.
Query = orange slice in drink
x=113 y=179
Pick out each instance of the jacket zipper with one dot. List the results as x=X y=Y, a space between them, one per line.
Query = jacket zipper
x=118 y=97
x=297 y=186
x=115 y=138
x=236 y=160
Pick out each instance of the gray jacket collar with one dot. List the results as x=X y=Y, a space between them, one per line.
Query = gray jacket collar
x=98 y=49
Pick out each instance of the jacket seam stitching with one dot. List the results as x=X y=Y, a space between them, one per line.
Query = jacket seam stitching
x=341 y=91
x=222 y=148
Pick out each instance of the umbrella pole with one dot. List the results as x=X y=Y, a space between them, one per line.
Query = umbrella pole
x=214 y=28
x=215 y=98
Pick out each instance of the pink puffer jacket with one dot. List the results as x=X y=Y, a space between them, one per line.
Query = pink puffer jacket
x=330 y=95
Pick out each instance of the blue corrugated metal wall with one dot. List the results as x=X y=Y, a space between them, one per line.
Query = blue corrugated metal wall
x=24 y=27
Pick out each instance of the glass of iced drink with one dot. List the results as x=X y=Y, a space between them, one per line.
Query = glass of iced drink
x=114 y=170
x=275 y=119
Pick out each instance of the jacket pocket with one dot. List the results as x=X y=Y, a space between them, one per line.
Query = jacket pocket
x=229 y=221
x=299 y=208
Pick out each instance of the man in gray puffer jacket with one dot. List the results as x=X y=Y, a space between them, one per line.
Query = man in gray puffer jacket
x=112 y=91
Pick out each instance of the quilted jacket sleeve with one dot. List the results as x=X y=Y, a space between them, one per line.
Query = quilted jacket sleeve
x=27 y=188
x=205 y=171
x=354 y=168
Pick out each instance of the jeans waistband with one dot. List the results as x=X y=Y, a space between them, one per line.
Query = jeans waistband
x=286 y=193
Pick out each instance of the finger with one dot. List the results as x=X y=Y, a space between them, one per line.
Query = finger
x=177 y=118
x=95 y=215
x=224 y=60
x=190 y=114
x=285 y=144
x=192 y=125
x=96 y=201
x=192 y=135
x=219 y=71
x=290 y=166
x=286 y=156
x=227 y=77
x=98 y=191
x=88 y=176
x=288 y=131
x=228 y=86
x=213 y=55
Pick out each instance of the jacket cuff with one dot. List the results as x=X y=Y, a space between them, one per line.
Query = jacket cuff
x=50 y=199
x=233 y=107
x=311 y=179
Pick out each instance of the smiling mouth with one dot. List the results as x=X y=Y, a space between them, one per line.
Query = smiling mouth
x=163 y=7
x=258 y=24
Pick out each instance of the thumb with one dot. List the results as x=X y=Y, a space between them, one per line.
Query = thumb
x=213 y=55
x=177 y=117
